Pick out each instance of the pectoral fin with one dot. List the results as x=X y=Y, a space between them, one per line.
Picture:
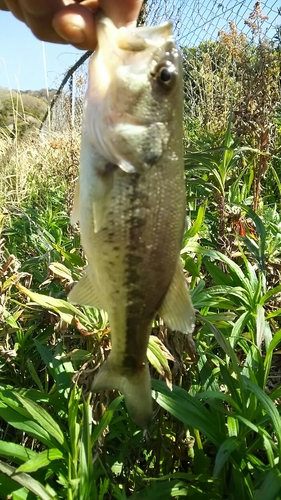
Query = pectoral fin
x=137 y=147
x=85 y=292
x=177 y=309
x=103 y=180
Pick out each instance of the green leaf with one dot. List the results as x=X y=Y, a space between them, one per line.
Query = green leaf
x=158 y=356
x=268 y=448
x=65 y=310
x=28 y=482
x=11 y=490
x=106 y=419
x=274 y=314
x=273 y=344
x=197 y=223
x=253 y=366
x=86 y=460
x=56 y=368
x=231 y=383
x=230 y=291
x=44 y=419
x=260 y=325
x=74 y=424
x=16 y=452
x=254 y=281
x=275 y=175
x=269 y=294
x=191 y=267
x=222 y=341
x=207 y=378
x=187 y=409
x=246 y=422
x=232 y=426
x=210 y=395
x=261 y=231
x=217 y=274
x=224 y=452
x=42 y=459
x=268 y=406
x=271 y=486
x=60 y=270
x=240 y=278
x=162 y=490
x=25 y=424
x=34 y=374
x=238 y=328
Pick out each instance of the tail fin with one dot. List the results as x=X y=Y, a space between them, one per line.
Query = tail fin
x=135 y=386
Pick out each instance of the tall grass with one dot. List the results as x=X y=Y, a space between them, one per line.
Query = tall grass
x=32 y=167
x=217 y=433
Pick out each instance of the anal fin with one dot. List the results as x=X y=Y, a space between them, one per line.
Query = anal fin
x=177 y=310
x=85 y=293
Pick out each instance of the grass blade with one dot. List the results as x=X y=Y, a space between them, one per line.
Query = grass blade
x=16 y=452
x=268 y=406
x=27 y=481
x=271 y=486
x=226 y=448
x=106 y=419
x=25 y=424
x=45 y=420
x=187 y=409
x=56 y=368
x=42 y=459
x=86 y=461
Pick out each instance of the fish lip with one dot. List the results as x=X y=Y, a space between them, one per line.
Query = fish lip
x=141 y=38
x=150 y=30
x=135 y=38
x=128 y=119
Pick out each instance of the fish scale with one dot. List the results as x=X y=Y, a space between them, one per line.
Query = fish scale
x=130 y=201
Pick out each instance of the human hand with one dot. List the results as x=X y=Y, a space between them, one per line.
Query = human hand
x=70 y=21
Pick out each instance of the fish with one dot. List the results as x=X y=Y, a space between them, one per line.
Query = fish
x=130 y=201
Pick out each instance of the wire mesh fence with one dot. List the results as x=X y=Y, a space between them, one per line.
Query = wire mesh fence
x=231 y=57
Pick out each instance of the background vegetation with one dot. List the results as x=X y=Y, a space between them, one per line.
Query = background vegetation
x=217 y=434
x=20 y=111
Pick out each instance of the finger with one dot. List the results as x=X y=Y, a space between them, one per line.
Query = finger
x=14 y=7
x=41 y=8
x=3 y=5
x=75 y=24
x=38 y=16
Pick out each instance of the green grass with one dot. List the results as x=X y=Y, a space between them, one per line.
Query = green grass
x=217 y=434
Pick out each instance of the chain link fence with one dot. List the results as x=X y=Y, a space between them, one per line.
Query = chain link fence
x=231 y=58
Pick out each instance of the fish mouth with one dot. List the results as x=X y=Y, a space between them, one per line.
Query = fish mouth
x=141 y=38
x=133 y=39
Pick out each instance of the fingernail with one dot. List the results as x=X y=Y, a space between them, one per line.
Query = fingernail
x=77 y=34
x=72 y=29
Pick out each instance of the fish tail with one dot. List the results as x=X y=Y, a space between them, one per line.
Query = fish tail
x=134 y=385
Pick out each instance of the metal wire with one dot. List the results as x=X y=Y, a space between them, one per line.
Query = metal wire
x=195 y=22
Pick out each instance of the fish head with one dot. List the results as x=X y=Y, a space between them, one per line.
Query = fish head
x=134 y=97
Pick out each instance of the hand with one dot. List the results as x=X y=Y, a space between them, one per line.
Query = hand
x=70 y=21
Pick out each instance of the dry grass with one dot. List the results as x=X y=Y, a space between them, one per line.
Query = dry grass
x=36 y=163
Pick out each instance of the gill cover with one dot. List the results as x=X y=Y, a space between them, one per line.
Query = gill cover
x=111 y=123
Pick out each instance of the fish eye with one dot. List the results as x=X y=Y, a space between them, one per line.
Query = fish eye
x=165 y=75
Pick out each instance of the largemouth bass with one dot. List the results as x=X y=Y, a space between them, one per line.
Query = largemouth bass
x=130 y=200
